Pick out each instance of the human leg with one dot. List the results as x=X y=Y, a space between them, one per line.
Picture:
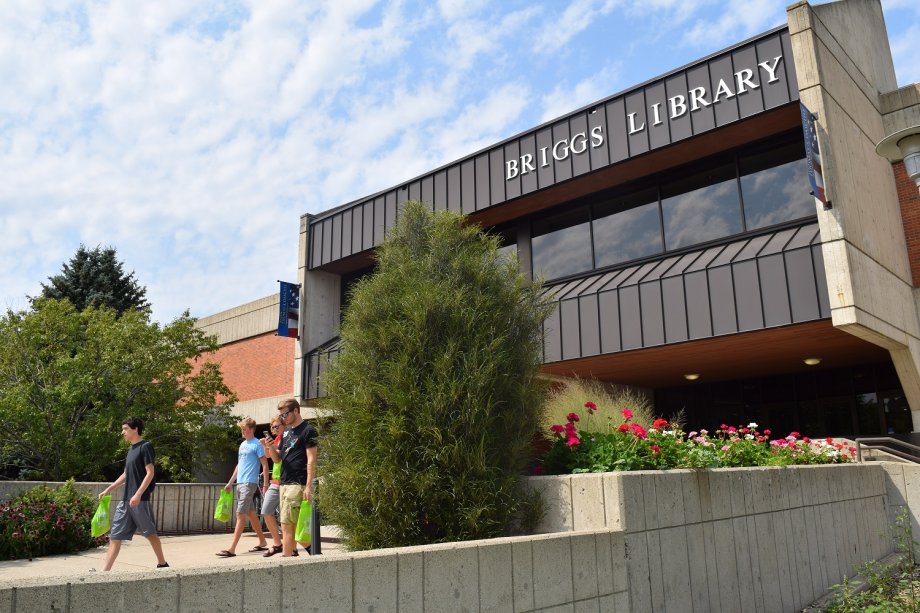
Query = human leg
x=257 y=527
x=157 y=546
x=272 y=525
x=291 y=497
x=111 y=554
x=270 y=503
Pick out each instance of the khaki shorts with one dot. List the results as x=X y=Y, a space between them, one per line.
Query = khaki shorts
x=291 y=497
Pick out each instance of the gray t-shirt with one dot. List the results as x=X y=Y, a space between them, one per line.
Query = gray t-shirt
x=139 y=456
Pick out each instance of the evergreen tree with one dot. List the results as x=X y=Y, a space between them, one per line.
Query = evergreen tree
x=95 y=278
x=434 y=393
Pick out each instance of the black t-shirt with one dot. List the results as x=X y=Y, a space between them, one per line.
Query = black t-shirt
x=294 y=445
x=139 y=456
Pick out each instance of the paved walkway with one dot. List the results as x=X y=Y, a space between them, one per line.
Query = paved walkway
x=197 y=551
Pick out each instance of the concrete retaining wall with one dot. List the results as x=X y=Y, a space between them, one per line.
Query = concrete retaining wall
x=745 y=539
x=572 y=571
x=180 y=508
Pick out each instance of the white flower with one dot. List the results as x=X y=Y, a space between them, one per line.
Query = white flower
x=749 y=437
x=752 y=425
x=668 y=432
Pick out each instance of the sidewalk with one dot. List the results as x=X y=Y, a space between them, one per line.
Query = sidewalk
x=196 y=551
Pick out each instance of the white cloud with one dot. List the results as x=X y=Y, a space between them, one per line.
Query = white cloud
x=735 y=21
x=577 y=16
x=565 y=98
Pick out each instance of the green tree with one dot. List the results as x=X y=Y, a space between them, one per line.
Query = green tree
x=95 y=277
x=434 y=393
x=68 y=378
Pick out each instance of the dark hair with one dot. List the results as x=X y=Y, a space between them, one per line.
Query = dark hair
x=135 y=423
x=290 y=403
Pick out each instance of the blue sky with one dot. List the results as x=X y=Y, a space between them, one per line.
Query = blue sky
x=191 y=136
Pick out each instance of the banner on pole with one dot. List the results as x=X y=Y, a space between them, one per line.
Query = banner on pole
x=289 y=310
x=813 y=157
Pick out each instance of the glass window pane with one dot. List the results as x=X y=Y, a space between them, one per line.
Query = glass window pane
x=701 y=207
x=561 y=244
x=627 y=228
x=775 y=187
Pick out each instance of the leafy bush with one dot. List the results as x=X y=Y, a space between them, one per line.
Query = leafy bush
x=630 y=446
x=45 y=521
x=434 y=392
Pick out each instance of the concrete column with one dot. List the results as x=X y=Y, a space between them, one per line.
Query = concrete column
x=320 y=307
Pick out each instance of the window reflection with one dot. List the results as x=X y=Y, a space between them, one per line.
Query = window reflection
x=561 y=244
x=774 y=186
x=627 y=228
x=701 y=207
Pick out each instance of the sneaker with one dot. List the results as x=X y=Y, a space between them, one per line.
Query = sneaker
x=163 y=565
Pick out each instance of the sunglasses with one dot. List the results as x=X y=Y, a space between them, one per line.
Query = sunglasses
x=284 y=415
x=273 y=428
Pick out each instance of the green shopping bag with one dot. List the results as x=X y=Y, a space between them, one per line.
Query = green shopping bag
x=102 y=519
x=224 y=503
x=304 y=523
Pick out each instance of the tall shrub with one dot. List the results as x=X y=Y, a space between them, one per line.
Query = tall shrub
x=434 y=393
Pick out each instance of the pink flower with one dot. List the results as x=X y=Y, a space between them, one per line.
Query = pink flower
x=569 y=429
x=639 y=431
x=725 y=447
x=766 y=433
x=795 y=435
x=627 y=414
x=572 y=417
x=590 y=406
x=573 y=441
x=660 y=424
x=557 y=429
x=732 y=429
x=806 y=440
x=656 y=449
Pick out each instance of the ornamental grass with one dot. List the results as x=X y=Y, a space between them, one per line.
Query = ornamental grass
x=623 y=444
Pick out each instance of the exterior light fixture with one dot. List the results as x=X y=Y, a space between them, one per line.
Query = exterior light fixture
x=691 y=376
x=903 y=145
x=812 y=361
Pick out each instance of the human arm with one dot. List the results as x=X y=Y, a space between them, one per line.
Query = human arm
x=272 y=449
x=229 y=485
x=148 y=478
x=115 y=484
x=311 y=470
x=266 y=473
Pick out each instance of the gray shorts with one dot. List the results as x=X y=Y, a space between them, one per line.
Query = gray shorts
x=127 y=520
x=270 y=500
x=245 y=497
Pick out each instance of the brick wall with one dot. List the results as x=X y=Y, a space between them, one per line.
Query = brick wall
x=909 y=196
x=257 y=367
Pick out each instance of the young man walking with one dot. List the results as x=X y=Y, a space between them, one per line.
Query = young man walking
x=246 y=474
x=297 y=454
x=133 y=513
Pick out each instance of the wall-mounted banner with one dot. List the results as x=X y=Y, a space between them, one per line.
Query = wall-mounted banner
x=813 y=157
x=289 y=310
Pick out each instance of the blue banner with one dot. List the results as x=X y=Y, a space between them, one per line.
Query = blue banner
x=813 y=156
x=289 y=310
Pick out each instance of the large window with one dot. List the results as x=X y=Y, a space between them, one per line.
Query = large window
x=701 y=207
x=561 y=244
x=627 y=228
x=754 y=188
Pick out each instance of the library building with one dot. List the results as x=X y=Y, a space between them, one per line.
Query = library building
x=738 y=238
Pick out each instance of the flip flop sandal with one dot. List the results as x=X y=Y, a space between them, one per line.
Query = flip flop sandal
x=259 y=548
x=274 y=549
x=225 y=554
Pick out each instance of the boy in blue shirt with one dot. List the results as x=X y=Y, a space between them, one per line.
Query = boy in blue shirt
x=246 y=475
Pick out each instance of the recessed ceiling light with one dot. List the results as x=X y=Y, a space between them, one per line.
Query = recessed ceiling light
x=812 y=361
x=691 y=377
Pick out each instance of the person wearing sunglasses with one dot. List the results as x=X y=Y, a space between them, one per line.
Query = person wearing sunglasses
x=297 y=454
x=271 y=498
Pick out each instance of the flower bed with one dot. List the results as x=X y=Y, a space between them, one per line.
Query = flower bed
x=622 y=444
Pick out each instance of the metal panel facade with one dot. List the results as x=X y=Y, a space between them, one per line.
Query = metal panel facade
x=735 y=84
x=727 y=289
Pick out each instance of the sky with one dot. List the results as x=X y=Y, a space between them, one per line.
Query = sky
x=191 y=136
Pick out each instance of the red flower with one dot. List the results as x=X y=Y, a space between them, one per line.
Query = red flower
x=627 y=414
x=795 y=434
x=660 y=424
x=572 y=417
x=590 y=406
x=639 y=431
x=623 y=428
x=656 y=449
x=732 y=429
x=723 y=426
x=573 y=441
x=805 y=440
x=558 y=429
x=766 y=433
x=829 y=440
x=569 y=429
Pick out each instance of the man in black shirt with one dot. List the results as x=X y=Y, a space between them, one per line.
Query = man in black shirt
x=133 y=513
x=297 y=454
